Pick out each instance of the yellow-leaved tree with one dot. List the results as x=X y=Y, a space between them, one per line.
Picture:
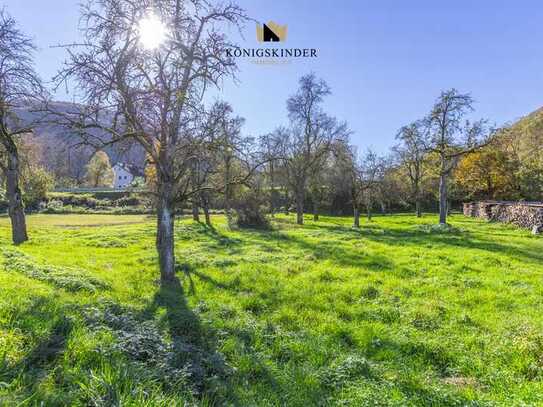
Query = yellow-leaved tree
x=99 y=172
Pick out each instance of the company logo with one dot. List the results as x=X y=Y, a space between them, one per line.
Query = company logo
x=271 y=32
x=269 y=54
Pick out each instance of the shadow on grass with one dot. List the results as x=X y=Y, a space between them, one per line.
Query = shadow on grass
x=194 y=346
x=189 y=270
x=182 y=323
x=45 y=354
x=325 y=249
x=461 y=240
x=391 y=236
x=50 y=348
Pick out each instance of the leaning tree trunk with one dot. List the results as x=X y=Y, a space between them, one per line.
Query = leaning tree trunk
x=300 y=197
x=443 y=199
x=15 y=199
x=356 y=222
x=165 y=232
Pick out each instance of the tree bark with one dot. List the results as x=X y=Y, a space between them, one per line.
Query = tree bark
x=15 y=199
x=300 y=197
x=205 y=207
x=165 y=233
x=315 y=211
x=227 y=203
x=443 y=199
x=417 y=208
x=195 y=210
x=356 y=222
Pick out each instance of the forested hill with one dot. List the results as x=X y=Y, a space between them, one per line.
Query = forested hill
x=528 y=132
x=62 y=152
x=511 y=167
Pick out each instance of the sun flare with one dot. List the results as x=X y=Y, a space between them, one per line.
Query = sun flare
x=152 y=32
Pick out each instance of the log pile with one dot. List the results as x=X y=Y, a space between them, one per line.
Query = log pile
x=524 y=214
x=481 y=209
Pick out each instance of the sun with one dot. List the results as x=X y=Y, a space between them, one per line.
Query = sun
x=152 y=32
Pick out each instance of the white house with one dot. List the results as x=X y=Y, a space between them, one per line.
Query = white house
x=123 y=175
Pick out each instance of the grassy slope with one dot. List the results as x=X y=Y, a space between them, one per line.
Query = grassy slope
x=393 y=314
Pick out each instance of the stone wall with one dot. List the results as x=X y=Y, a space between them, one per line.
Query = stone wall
x=523 y=214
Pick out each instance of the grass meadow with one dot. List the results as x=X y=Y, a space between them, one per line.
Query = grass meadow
x=397 y=313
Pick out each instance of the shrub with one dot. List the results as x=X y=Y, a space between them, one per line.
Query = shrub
x=35 y=187
x=130 y=200
x=84 y=200
x=249 y=211
x=56 y=206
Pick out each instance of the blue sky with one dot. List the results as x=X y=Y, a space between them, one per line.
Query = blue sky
x=386 y=61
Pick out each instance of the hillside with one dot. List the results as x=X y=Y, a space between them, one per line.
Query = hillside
x=62 y=152
x=528 y=135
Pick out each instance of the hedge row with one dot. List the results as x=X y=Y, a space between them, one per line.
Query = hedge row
x=94 y=200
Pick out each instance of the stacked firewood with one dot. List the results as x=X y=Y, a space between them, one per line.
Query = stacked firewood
x=523 y=214
x=481 y=209
x=469 y=209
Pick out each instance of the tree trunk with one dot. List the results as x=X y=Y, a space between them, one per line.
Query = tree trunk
x=300 y=206
x=165 y=233
x=443 y=199
x=205 y=207
x=368 y=208
x=195 y=210
x=315 y=211
x=272 y=202
x=207 y=216
x=356 y=222
x=15 y=200
x=417 y=208
x=227 y=175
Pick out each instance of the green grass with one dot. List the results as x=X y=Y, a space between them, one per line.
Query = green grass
x=396 y=313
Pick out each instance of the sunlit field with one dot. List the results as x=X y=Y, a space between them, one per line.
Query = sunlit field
x=396 y=313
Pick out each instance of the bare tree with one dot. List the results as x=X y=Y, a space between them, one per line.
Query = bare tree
x=370 y=173
x=270 y=151
x=412 y=153
x=19 y=87
x=151 y=96
x=451 y=137
x=318 y=189
x=204 y=166
x=308 y=139
x=361 y=174
x=232 y=149
x=216 y=167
